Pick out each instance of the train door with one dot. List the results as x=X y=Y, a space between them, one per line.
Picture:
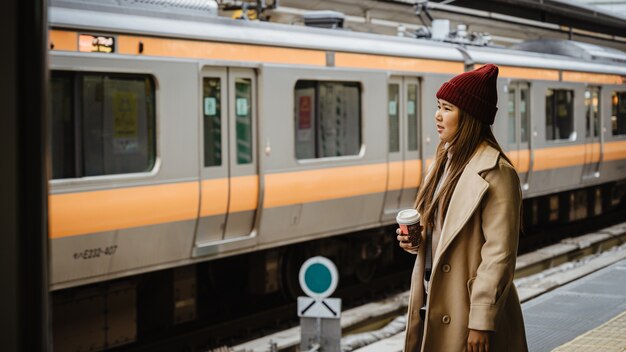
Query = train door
x=412 y=159
x=519 y=130
x=243 y=193
x=228 y=172
x=593 y=142
x=214 y=184
x=395 y=156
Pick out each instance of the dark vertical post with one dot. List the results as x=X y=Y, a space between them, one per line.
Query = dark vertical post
x=8 y=180
x=571 y=33
x=23 y=177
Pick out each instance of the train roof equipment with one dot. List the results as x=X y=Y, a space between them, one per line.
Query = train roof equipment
x=571 y=48
x=324 y=19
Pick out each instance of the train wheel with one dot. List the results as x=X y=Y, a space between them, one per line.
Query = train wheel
x=366 y=270
x=292 y=260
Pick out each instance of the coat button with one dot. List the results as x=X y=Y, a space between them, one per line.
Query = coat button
x=445 y=319
x=445 y=268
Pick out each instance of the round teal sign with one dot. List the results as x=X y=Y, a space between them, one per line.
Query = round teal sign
x=318 y=277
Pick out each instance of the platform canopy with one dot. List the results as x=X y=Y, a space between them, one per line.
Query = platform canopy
x=591 y=15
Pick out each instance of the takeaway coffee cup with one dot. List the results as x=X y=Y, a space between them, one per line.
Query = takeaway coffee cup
x=409 y=221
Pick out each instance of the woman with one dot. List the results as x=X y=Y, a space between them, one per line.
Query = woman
x=470 y=206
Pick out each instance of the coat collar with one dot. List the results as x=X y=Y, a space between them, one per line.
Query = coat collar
x=485 y=158
x=467 y=194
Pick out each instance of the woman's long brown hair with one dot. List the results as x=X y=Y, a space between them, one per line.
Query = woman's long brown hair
x=470 y=134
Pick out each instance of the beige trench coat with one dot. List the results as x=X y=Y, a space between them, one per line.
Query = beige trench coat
x=471 y=283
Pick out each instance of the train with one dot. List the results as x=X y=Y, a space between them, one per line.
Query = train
x=179 y=139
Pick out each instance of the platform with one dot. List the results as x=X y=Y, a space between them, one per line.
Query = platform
x=588 y=314
x=556 y=319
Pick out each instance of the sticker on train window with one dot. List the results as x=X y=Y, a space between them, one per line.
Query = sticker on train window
x=242 y=107
x=305 y=112
x=125 y=122
x=96 y=43
x=410 y=107
x=210 y=106
x=393 y=107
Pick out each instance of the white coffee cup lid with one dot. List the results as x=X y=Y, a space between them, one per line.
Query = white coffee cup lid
x=407 y=217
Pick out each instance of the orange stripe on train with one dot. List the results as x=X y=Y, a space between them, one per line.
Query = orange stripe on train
x=219 y=51
x=614 y=151
x=244 y=193
x=559 y=157
x=395 y=175
x=213 y=197
x=89 y=212
x=323 y=184
x=394 y=63
x=412 y=173
x=584 y=77
x=527 y=73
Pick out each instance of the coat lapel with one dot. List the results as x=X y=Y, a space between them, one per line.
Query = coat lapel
x=467 y=195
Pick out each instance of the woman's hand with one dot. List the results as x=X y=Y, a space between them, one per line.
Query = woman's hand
x=478 y=341
x=405 y=242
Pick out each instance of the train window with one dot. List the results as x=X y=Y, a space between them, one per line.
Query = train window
x=618 y=113
x=512 y=115
x=212 y=112
x=523 y=109
x=411 y=113
x=559 y=114
x=62 y=111
x=327 y=119
x=592 y=116
x=393 y=105
x=243 y=113
x=103 y=124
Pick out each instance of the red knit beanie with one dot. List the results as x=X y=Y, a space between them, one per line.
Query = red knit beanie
x=474 y=92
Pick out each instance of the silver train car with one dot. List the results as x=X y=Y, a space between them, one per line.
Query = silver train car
x=178 y=139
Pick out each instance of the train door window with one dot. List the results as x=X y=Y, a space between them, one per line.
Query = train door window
x=591 y=166
x=618 y=113
x=592 y=112
x=524 y=111
x=393 y=106
x=327 y=119
x=103 y=124
x=560 y=114
x=411 y=113
x=243 y=113
x=512 y=121
x=63 y=127
x=212 y=112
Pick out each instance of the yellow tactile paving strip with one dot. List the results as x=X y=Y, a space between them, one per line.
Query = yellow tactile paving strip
x=608 y=337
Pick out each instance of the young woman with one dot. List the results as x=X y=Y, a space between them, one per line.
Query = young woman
x=462 y=292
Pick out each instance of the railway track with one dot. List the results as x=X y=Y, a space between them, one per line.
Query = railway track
x=232 y=332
